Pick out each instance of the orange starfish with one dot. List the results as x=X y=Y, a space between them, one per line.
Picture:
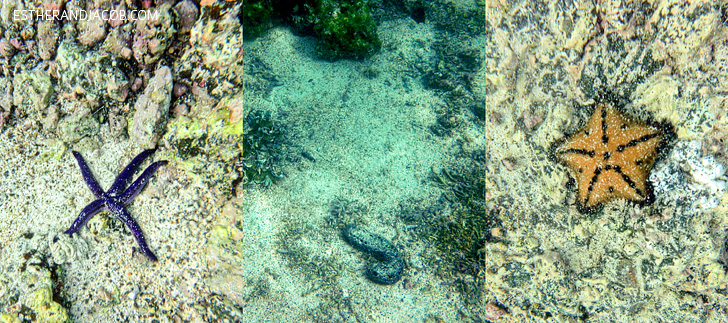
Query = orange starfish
x=611 y=157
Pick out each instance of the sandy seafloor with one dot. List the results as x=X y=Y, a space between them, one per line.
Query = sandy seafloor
x=547 y=65
x=372 y=143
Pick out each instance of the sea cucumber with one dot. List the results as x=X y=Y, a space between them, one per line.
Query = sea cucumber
x=390 y=267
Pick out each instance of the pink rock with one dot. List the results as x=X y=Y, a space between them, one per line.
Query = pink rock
x=137 y=84
x=126 y=52
x=179 y=90
x=156 y=46
x=187 y=12
x=16 y=43
x=532 y=119
x=6 y=48
x=181 y=110
x=117 y=20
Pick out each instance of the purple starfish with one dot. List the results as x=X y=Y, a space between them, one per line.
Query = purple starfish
x=117 y=197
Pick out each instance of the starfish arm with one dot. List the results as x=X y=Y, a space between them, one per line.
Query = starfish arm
x=88 y=177
x=125 y=176
x=135 y=229
x=133 y=190
x=87 y=213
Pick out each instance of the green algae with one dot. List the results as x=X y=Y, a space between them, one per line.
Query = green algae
x=262 y=150
x=41 y=302
x=55 y=151
x=459 y=227
x=345 y=29
x=45 y=308
x=255 y=15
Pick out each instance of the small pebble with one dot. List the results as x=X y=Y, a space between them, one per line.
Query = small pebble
x=179 y=90
x=134 y=293
x=137 y=84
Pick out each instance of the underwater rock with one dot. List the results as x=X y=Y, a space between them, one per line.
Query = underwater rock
x=117 y=122
x=391 y=266
x=236 y=107
x=28 y=32
x=117 y=42
x=79 y=124
x=45 y=308
x=187 y=12
x=35 y=297
x=179 y=90
x=91 y=31
x=118 y=20
x=7 y=49
x=32 y=90
x=85 y=78
x=47 y=39
x=151 y=109
x=6 y=93
x=218 y=42
x=153 y=34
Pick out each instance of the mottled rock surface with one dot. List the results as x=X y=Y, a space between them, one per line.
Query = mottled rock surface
x=153 y=34
x=47 y=39
x=150 y=110
x=92 y=30
x=188 y=13
x=32 y=90
x=86 y=79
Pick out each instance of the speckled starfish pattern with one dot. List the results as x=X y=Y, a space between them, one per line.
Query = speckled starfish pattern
x=611 y=157
x=117 y=197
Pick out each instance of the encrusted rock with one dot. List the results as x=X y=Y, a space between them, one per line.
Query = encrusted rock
x=118 y=41
x=87 y=77
x=81 y=123
x=32 y=90
x=6 y=48
x=117 y=122
x=150 y=110
x=47 y=39
x=6 y=93
x=117 y=20
x=92 y=30
x=187 y=12
x=153 y=34
x=218 y=42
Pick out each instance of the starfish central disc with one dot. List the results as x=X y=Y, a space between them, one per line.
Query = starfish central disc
x=611 y=157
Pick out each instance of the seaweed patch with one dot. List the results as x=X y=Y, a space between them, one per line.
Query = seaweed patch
x=390 y=267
